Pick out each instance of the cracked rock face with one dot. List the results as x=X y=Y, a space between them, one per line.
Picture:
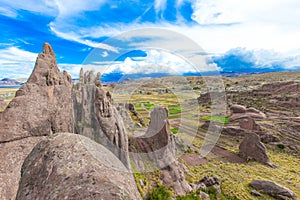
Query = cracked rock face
x=97 y=118
x=71 y=166
x=42 y=106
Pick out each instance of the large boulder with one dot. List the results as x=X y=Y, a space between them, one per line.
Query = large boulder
x=273 y=189
x=43 y=105
x=97 y=118
x=70 y=166
x=251 y=148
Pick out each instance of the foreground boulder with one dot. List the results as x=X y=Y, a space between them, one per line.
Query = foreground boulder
x=69 y=166
x=251 y=148
x=273 y=189
x=97 y=118
x=43 y=105
x=12 y=156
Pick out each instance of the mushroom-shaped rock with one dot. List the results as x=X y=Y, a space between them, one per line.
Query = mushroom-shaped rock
x=71 y=166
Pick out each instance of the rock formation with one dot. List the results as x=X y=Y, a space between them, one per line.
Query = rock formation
x=70 y=166
x=157 y=146
x=251 y=148
x=2 y=104
x=249 y=124
x=239 y=112
x=97 y=118
x=42 y=106
x=273 y=189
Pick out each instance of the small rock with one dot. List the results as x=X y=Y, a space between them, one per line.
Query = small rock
x=210 y=181
x=142 y=183
x=204 y=196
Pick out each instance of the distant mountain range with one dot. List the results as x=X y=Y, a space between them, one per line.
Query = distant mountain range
x=10 y=82
x=119 y=76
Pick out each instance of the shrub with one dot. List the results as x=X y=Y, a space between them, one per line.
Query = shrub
x=159 y=193
x=191 y=196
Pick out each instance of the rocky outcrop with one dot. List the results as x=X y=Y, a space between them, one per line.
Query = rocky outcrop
x=2 y=104
x=273 y=189
x=42 y=106
x=251 y=148
x=70 y=166
x=157 y=146
x=239 y=112
x=97 y=118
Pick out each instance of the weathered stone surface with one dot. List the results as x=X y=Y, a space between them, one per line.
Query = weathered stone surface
x=12 y=155
x=2 y=104
x=70 y=166
x=158 y=147
x=97 y=118
x=249 y=124
x=43 y=105
x=234 y=131
x=251 y=148
x=273 y=189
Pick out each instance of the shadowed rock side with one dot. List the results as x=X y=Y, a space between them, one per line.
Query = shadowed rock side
x=43 y=105
x=70 y=166
x=157 y=146
x=97 y=118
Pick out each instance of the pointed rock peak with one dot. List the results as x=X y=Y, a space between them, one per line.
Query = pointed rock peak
x=47 y=49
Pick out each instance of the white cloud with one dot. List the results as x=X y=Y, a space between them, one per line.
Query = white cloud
x=160 y=5
x=15 y=62
x=45 y=7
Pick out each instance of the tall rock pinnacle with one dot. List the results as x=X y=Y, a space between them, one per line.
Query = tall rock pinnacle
x=43 y=105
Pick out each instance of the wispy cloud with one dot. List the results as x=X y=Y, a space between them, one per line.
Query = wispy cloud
x=74 y=37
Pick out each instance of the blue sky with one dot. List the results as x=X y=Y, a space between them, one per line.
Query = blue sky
x=254 y=36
